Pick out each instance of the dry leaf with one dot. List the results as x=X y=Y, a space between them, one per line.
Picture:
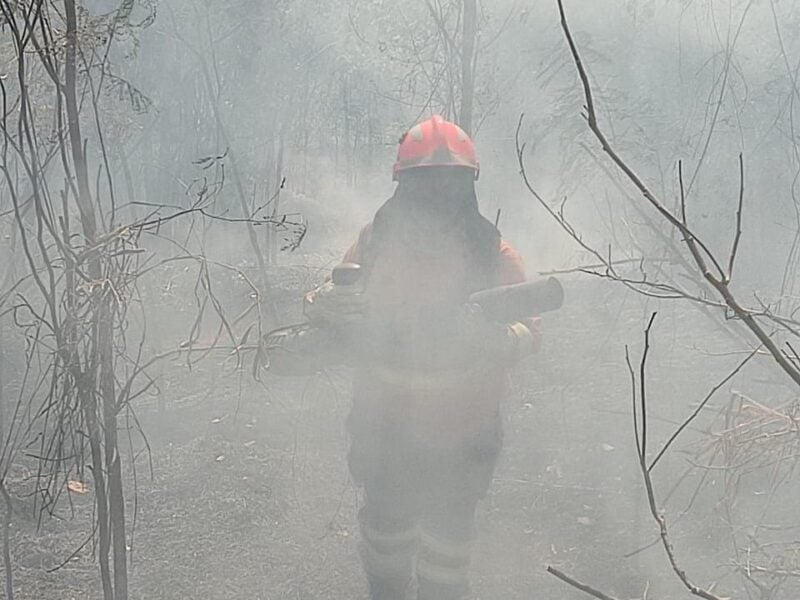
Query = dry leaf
x=77 y=487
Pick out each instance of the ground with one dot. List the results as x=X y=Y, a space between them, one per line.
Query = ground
x=248 y=495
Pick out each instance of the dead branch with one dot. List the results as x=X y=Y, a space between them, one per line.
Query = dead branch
x=658 y=515
x=578 y=585
x=9 y=572
x=700 y=407
x=606 y=269
x=71 y=306
x=715 y=275
x=595 y=267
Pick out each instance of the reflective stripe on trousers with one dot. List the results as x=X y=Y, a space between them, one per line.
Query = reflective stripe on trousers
x=419 y=510
x=387 y=553
x=389 y=557
x=443 y=567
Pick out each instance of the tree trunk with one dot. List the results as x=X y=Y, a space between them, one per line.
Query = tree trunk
x=5 y=430
x=348 y=158
x=110 y=507
x=470 y=33
x=273 y=249
x=9 y=571
x=101 y=499
x=129 y=186
x=116 y=493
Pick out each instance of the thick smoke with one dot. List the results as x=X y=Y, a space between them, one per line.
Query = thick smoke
x=233 y=151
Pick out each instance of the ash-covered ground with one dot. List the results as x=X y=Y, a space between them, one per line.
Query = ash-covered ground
x=244 y=491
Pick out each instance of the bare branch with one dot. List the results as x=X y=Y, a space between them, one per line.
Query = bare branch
x=701 y=406
x=738 y=235
x=578 y=585
x=656 y=513
x=699 y=251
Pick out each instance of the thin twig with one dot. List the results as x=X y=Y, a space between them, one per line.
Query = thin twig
x=656 y=513
x=738 y=235
x=642 y=381
x=578 y=585
x=701 y=406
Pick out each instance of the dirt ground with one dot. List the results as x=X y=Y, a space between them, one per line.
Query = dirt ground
x=248 y=495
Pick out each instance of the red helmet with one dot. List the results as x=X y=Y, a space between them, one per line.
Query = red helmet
x=435 y=143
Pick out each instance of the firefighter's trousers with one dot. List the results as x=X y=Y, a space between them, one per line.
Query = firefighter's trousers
x=417 y=520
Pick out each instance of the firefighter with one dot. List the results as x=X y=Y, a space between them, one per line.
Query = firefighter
x=425 y=423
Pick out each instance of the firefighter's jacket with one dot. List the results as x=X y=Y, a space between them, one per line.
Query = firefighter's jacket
x=411 y=381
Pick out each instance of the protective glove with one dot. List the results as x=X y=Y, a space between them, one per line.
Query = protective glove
x=497 y=343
